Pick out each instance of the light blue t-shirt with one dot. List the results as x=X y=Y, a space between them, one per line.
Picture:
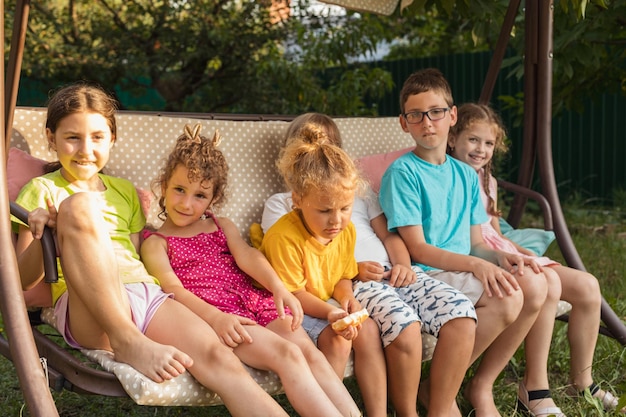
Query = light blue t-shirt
x=443 y=199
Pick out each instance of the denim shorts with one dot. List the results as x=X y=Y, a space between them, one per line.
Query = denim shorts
x=314 y=326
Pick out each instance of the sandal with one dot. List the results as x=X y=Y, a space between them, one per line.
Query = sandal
x=525 y=397
x=608 y=400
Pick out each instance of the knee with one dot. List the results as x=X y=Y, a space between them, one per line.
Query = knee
x=290 y=353
x=588 y=291
x=77 y=213
x=509 y=308
x=333 y=345
x=408 y=342
x=459 y=334
x=535 y=289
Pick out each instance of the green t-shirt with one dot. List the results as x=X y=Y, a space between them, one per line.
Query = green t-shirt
x=121 y=211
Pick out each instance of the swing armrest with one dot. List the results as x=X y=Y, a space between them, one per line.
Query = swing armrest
x=544 y=205
x=51 y=273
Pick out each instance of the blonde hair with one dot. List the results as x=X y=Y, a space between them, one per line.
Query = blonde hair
x=310 y=162
x=467 y=115
x=323 y=121
x=204 y=162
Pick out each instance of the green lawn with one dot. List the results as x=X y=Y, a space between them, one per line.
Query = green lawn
x=600 y=236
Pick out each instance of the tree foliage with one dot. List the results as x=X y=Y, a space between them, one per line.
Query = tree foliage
x=236 y=56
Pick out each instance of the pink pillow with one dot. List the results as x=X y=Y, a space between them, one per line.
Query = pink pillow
x=21 y=168
x=374 y=166
x=145 y=198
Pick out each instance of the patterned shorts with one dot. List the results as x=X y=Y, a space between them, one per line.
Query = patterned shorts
x=428 y=301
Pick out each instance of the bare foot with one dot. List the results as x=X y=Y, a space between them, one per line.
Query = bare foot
x=481 y=399
x=156 y=361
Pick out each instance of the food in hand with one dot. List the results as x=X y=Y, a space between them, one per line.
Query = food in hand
x=353 y=319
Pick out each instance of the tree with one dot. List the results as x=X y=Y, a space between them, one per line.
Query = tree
x=236 y=56
x=202 y=55
x=589 y=42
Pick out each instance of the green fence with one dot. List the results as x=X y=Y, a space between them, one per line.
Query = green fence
x=589 y=150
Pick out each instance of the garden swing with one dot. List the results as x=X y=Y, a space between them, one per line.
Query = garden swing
x=25 y=344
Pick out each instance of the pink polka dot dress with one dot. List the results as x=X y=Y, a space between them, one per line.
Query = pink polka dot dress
x=205 y=266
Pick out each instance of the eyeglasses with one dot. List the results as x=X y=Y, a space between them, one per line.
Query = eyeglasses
x=433 y=114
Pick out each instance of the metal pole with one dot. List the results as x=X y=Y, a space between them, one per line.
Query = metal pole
x=22 y=345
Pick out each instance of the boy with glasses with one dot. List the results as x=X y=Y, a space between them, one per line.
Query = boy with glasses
x=433 y=202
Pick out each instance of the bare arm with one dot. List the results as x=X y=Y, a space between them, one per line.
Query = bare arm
x=495 y=223
x=29 y=258
x=487 y=272
x=28 y=248
x=401 y=273
x=256 y=265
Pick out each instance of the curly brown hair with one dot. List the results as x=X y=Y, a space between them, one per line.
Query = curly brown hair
x=203 y=161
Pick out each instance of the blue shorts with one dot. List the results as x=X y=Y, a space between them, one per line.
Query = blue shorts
x=314 y=326
x=144 y=298
x=428 y=301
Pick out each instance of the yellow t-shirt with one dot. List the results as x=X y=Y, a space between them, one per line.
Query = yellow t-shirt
x=303 y=262
x=121 y=210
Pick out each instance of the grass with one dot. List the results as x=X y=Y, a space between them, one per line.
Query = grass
x=599 y=235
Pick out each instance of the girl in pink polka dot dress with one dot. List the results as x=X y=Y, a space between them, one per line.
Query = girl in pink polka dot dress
x=203 y=260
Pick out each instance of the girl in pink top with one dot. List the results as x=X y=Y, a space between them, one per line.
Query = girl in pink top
x=478 y=134
x=203 y=260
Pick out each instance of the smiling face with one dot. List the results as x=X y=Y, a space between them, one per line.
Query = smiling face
x=474 y=145
x=325 y=214
x=186 y=201
x=83 y=142
x=431 y=137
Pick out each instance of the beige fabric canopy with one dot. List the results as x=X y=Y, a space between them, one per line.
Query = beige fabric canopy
x=384 y=7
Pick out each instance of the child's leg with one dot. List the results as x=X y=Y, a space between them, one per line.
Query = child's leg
x=98 y=306
x=370 y=370
x=270 y=351
x=404 y=366
x=448 y=365
x=336 y=349
x=400 y=328
x=537 y=345
x=450 y=316
x=480 y=391
x=582 y=291
x=214 y=365
x=321 y=368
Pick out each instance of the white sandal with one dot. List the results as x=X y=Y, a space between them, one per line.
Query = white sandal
x=607 y=399
x=525 y=397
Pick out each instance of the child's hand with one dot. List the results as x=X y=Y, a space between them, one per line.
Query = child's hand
x=230 y=329
x=350 y=332
x=401 y=276
x=515 y=263
x=351 y=305
x=370 y=271
x=284 y=298
x=495 y=279
x=39 y=218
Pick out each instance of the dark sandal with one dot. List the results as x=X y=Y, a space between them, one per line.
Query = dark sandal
x=527 y=396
